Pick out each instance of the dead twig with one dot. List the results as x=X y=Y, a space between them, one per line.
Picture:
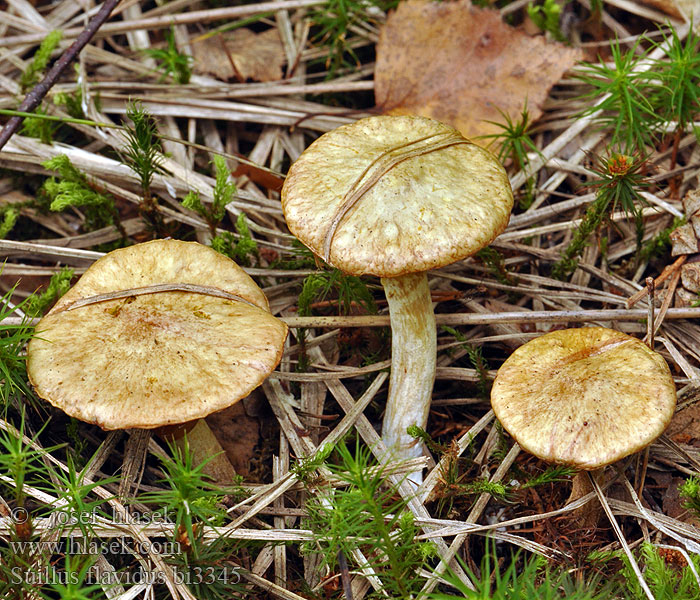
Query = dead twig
x=34 y=98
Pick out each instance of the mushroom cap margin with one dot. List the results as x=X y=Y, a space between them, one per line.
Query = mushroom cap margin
x=153 y=360
x=585 y=397
x=425 y=212
x=163 y=261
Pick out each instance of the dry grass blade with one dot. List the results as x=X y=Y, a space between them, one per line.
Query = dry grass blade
x=621 y=538
x=223 y=137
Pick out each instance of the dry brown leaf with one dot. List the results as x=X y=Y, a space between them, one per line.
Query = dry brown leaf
x=671 y=500
x=241 y=54
x=672 y=503
x=685 y=426
x=460 y=64
x=238 y=434
x=676 y=8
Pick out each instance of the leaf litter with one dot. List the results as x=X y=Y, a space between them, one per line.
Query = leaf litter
x=464 y=66
x=240 y=55
x=331 y=380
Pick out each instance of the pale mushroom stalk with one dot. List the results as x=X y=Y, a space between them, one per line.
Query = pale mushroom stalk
x=413 y=356
x=394 y=197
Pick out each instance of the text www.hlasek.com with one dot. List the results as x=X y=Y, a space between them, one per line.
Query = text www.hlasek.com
x=94 y=547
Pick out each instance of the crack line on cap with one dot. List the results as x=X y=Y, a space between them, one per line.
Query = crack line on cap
x=379 y=167
x=591 y=351
x=156 y=289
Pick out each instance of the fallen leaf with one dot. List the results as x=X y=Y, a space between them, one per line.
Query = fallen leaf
x=260 y=175
x=683 y=298
x=690 y=277
x=685 y=426
x=671 y=502
x=684 y=240
x=691 y=207
x=241 y=54
x=676 y=8
x=238 y=434
x=460 y=64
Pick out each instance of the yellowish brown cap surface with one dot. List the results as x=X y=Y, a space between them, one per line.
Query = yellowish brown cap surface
x=150 y=360
x=163 y=261
x=584 y=397
x=390 y=195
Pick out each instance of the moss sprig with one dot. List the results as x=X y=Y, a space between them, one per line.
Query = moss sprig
x=37 y=304
x=367 y=513
x=690 y=492
x=224 y=191
x=72 y=188
x=350 y=290
x=620 y=98
x=171 y=61
x=546 y=16
x=243 y=249
x=618 y=181
x=143 y=154
x=477 y=360
x=9 y=215
x=40 y=61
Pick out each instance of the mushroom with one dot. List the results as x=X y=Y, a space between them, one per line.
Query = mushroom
x=396 y=196
x=153 y=335
x=584 y=397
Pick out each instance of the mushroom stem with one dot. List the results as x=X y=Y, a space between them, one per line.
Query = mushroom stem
x=413 y=356
x=203 y=445
x=589 y=514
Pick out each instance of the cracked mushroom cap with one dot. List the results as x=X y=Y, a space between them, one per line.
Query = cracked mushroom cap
x=584 y=397
x=144 y=359
x=390 y=195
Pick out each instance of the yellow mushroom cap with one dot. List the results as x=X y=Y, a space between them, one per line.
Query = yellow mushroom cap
x=584 y=397
x=390 y=195
x=163 y=261
x=145 y=361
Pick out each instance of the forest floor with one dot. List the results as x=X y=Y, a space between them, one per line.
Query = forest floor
x=592 y=108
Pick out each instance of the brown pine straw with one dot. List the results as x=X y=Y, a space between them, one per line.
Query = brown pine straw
x=288 y=124
x=166 y=21
x=665 y=274
x=543 y=316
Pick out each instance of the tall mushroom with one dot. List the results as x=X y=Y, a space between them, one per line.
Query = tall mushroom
x=584 y=397
x=396 y=196
x=156 y=334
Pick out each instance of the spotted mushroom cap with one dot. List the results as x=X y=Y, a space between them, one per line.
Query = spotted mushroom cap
x=390 y=195
x=144 y=361
x=584 y=397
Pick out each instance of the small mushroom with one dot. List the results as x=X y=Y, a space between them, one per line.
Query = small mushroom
x=153 y=335
x=396 y=196
x=584 y=397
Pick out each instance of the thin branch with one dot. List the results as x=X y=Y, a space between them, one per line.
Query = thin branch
x=34 y=98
